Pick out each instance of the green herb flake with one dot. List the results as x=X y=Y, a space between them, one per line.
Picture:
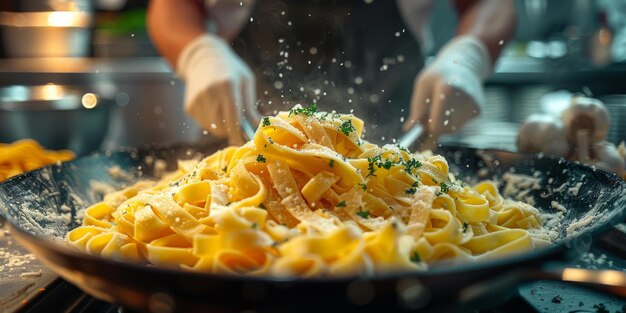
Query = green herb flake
x=254 y=225
x=270 y=140
x=363 y=214
x=266 y=121
x=415 y=257
x=403 y=148
x=308 y=111
x=363 y=186
x=386 y=165
x=346 y=127
x=370 y=167
x=262 y=206
x=415 y=184
x=411 y=191
x=341 y=204
x=224 y=169
x=465 y=226
x=557 y=299
x=411 y=164
x=444 y=187
x=331 y=163
x=260 y=158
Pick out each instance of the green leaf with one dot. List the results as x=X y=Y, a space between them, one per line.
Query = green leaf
x=346 y=127
x=363 y=214
x=415 y=257
x=444 y=187
x=308 y=111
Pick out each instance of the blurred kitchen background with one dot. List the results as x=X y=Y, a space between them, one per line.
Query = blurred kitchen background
x=84 y=75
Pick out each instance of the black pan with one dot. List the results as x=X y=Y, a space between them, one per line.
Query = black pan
x=41 y=208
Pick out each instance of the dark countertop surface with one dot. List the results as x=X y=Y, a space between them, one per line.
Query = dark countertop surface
x=23 y=277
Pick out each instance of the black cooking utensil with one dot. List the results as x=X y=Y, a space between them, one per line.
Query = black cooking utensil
x=42 y=206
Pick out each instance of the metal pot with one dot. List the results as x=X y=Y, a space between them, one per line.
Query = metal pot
x=46 y=34
x=56 y=116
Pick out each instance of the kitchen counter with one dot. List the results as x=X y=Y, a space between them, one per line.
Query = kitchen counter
x=23 y=276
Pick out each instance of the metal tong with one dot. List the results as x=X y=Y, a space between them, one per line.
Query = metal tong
x=417 y=138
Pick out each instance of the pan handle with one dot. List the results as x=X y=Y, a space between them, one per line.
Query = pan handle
x=610 y=281
x=484 y=292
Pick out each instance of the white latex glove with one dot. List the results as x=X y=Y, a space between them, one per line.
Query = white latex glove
x=219 y=87
x=449 y=91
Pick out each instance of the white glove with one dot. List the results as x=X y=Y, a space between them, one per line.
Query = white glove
x=219 y=87
x=449 y=92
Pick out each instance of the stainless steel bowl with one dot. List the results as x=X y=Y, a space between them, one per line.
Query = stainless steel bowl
x=59 y=117
x=46 y=34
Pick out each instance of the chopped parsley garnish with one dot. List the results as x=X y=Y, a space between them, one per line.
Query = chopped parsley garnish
x=270 y=140
x=341 y=204
x=444 y=187
x=415 y=184
x=266 y=121
x=260 y=158
x=331 y=163
x=363 y=214
x=224 y=169
x=465 y=226
x=262 y=206
x=411 y=190
x=415 y=257
x=254 y=225
x=346 y=127
x=411 y=164
x=371 y=169
x=403 y=148
x=386 y=165
x=363 y=186
x=308 y=111
x=557 y=299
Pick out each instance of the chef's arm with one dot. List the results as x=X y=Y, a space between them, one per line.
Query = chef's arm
x=174 y=24
x=492 y=21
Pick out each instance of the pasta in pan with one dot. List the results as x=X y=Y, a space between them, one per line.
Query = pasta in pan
x=26 y=155
x=308 y=197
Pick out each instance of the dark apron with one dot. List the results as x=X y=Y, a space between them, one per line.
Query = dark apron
x=348 y=56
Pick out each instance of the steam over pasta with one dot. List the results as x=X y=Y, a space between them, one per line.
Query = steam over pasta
x=308 y=197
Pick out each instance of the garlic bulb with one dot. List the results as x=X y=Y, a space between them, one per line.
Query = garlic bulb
x=586 y=114
x=542 y=133
x=606 y=156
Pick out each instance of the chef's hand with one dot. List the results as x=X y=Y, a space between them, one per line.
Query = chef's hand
x=449 y=92
x=220 y=87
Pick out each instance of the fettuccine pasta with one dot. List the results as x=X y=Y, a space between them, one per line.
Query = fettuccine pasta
x=308 y=197
x=26 y=155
